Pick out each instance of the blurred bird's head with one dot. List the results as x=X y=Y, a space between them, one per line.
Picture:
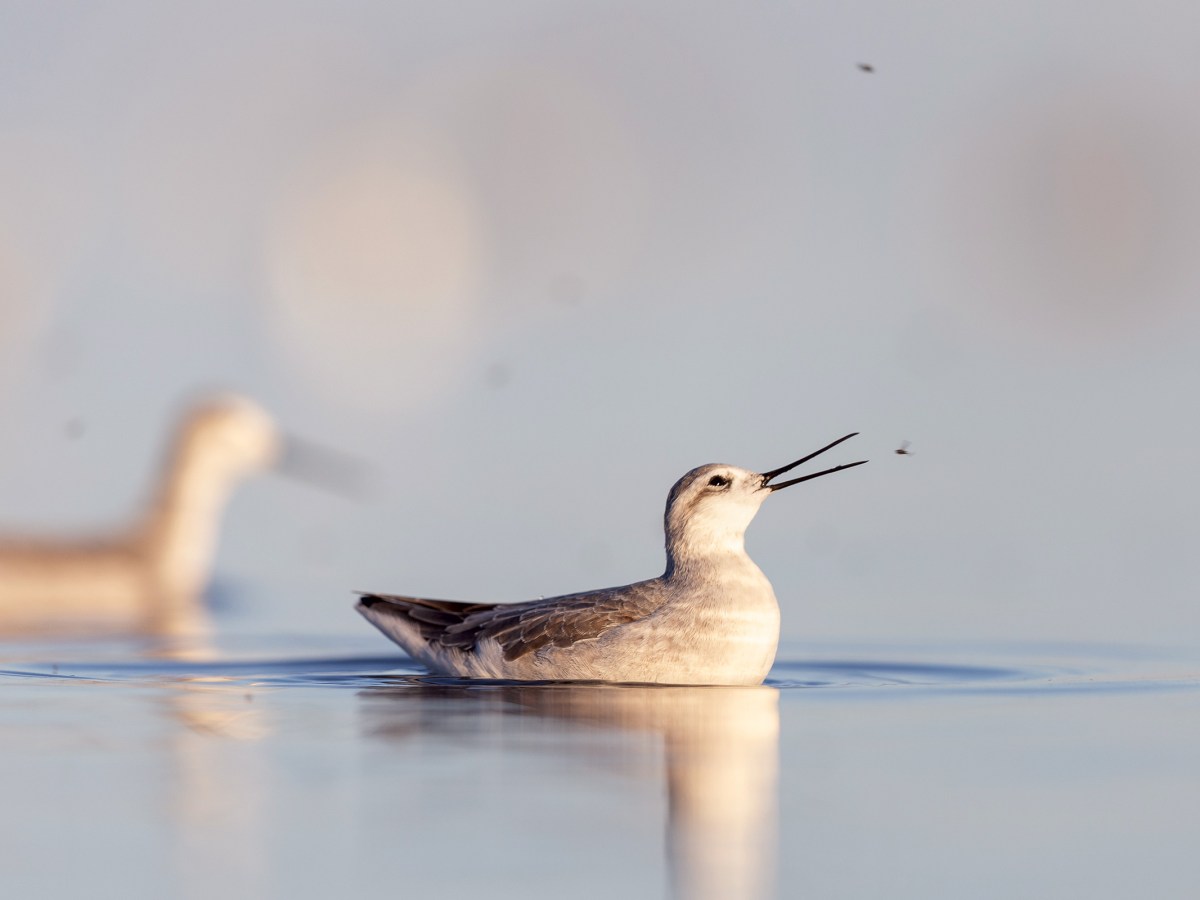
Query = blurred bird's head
x=232 y=434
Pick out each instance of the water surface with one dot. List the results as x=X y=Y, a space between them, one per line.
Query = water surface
x=306 y=767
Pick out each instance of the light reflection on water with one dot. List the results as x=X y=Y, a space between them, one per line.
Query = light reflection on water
x=294 y=768
x=720 y=755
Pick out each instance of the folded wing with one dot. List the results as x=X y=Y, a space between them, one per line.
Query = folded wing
x=522 y=628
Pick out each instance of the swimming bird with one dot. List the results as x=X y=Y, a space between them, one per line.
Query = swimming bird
x=710 y=618
x=148 y=576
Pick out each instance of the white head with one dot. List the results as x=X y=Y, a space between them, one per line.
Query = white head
x=231 y=434
x=709 y=508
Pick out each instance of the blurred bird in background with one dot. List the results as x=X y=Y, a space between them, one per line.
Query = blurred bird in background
x=148 y=576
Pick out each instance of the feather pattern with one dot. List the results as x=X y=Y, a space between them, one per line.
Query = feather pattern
x=523 y=628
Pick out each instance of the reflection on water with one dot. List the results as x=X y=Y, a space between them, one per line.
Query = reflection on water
x=297 y=768
x=219 y=811
x=720 y=750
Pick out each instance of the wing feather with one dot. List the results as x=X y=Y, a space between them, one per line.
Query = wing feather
x=523 y=628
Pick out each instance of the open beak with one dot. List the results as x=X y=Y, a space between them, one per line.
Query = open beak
x=767 y=476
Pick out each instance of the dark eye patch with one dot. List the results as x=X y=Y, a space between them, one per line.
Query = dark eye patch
x=719 y=481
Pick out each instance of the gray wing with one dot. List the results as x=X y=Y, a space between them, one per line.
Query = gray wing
x=522 y=628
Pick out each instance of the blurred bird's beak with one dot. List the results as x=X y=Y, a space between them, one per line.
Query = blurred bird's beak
x=323 y=467
x=767 y=476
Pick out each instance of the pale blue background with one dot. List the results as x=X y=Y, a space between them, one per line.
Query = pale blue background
x=535 y=260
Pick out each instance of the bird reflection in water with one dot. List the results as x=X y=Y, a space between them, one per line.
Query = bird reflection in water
x=720 y=748
x=220 y=788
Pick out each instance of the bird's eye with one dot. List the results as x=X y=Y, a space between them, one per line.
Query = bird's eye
x=719 y=481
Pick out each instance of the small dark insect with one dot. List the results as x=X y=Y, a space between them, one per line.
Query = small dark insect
x=866 y=67
x=903 y=449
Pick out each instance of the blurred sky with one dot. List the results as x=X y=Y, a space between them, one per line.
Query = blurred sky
x=535 y=260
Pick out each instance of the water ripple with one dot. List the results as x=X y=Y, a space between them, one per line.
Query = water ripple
x=898 y=670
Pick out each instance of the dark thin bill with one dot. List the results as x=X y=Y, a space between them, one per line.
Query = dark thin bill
x=767 y=476
x=324 y=467
x=783 y=484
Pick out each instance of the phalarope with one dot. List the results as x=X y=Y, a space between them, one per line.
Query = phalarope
x=710 y=618
x=149 y=576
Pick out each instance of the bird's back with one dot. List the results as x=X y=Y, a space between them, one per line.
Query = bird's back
x=510 y=640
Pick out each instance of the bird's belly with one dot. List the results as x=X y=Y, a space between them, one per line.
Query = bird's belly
x=727 y=644
x=718 y=646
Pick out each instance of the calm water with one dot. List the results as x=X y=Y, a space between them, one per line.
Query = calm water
x=314 y=768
